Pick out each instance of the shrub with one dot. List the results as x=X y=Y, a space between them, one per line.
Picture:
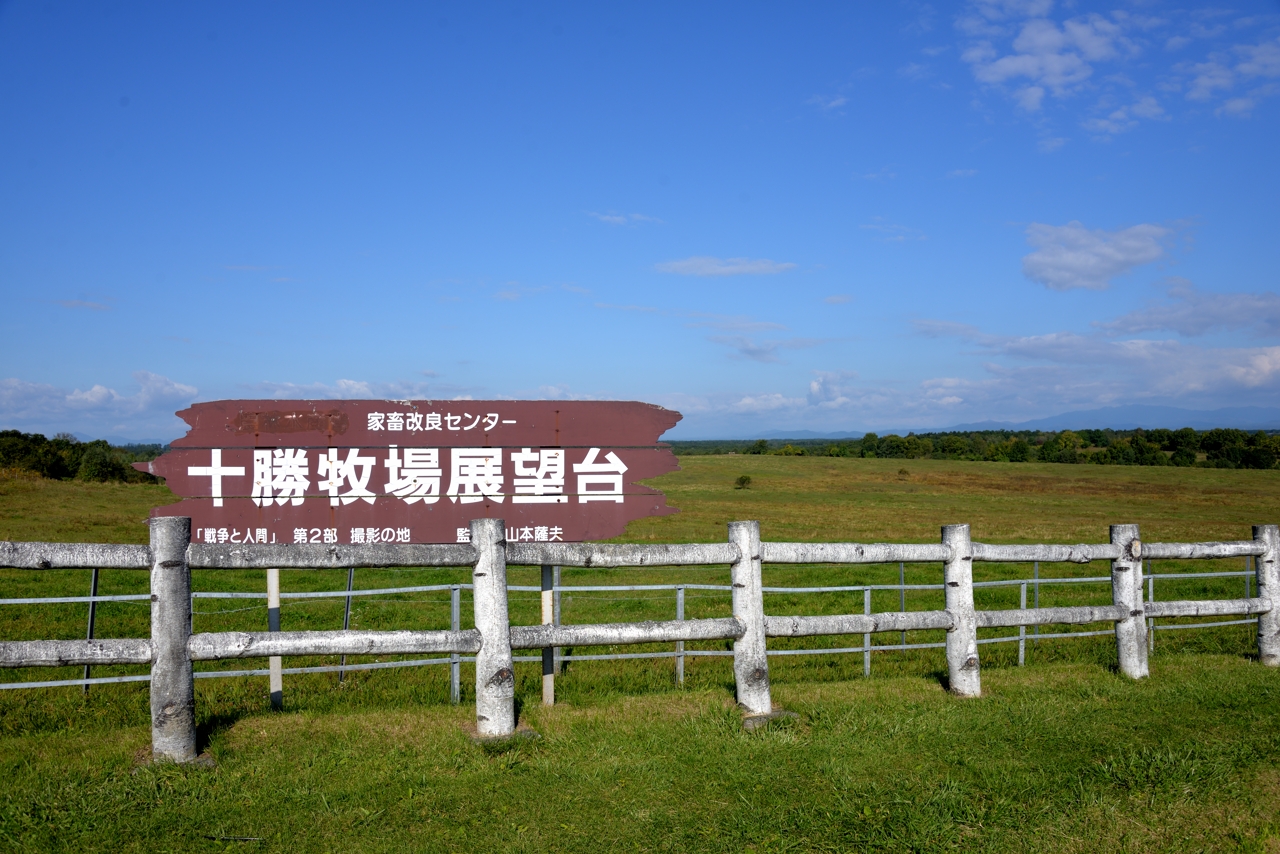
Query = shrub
x=99 y=463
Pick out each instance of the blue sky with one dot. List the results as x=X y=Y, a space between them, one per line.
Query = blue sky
x=825 y=217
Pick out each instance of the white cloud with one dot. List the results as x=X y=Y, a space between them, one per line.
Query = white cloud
x=344 y=389
x=837 y=299
x=1190 y=312
x=1209 y=77
x=1148 y=107
x=1260 y=60
x=765 y=403
x=833 y=389
x=1126 y=118
x=962 y=173
x=98 y=410
x=1048 y=56
x=1032 y=54
x=562 y=392
x=1029 y=98
x=703 y=265
x=613 y=218
x=1239 y=107
x=1220 y=74
x=1071 y=256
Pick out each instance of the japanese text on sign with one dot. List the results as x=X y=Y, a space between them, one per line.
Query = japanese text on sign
x=283 y=475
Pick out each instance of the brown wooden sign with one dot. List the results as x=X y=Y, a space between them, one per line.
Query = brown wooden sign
x=414 y=471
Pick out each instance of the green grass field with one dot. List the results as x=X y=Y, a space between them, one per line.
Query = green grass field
x=1060 y=755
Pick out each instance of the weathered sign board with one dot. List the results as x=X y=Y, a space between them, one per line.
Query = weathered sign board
x=414 y=471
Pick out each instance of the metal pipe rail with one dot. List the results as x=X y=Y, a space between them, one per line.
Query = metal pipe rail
x=173 y=647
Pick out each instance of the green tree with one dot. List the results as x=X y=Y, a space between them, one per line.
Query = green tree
x=100 y=463
x=870 y=445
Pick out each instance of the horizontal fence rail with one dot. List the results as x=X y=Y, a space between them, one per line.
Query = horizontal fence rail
x=173 y=646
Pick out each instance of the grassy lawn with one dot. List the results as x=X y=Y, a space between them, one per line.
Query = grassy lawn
x=1060 y=755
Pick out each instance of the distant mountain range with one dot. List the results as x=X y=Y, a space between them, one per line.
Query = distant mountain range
x=1114 y=417
x=118 y=441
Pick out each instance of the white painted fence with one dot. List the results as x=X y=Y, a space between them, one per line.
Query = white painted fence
x=173 y=647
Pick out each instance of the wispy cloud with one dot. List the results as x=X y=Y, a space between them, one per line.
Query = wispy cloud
x=1067 y=368
x=1072 y=256
x=733 y=323
x=837 y=299
x=79 y=303
x=514 y=291
x=613 y=218
x=884 y=173
x=761 y=351
x=888 y=232
x=827 y=102
x=962 y=173
x=705 y=265
x=1191 y=312
x=642 y=308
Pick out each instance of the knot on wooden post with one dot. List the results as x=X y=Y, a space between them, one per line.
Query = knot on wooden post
x=502 y=678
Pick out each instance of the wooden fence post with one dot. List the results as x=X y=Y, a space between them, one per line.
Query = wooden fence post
x=495 y=676
x=173 y=721
x=680 y=644
x=1126 y=590
x=455 y=660
x=548 y=653
x=962 y=637
x=93 y=612
x=750 y=660
x=1267 y=567
x=275 y=664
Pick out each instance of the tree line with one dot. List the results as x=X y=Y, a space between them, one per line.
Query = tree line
x=64 y=457
x=1218 y=448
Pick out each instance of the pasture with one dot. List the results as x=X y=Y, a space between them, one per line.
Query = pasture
x=1062 y=754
